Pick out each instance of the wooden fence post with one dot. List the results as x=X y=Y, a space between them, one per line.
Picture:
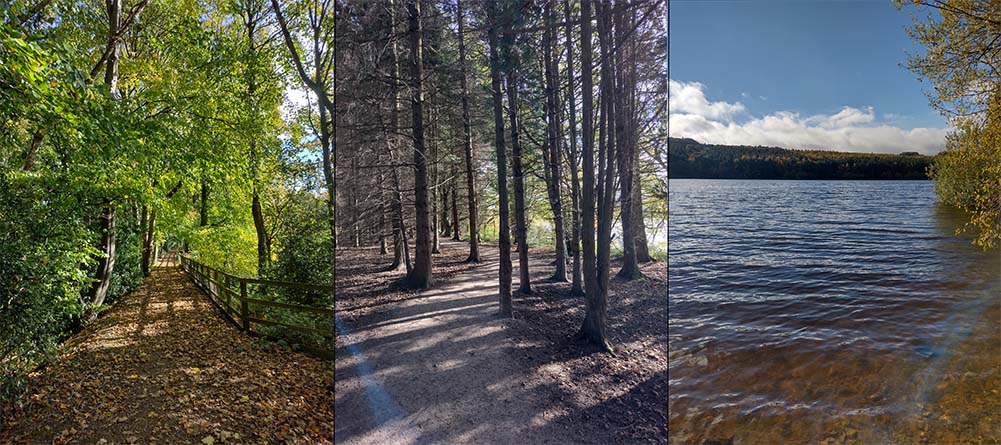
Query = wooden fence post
x=244 y=312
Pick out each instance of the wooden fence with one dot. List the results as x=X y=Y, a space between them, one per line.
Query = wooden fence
x=230 y=293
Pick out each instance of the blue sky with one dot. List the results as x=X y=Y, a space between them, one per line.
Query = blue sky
x=801 y=74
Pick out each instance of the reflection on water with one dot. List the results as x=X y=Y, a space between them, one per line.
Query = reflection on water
x=829 y=311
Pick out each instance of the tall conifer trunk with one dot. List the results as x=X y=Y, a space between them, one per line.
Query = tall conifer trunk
x=420 y=277
x=504 y=241
x=467 y=139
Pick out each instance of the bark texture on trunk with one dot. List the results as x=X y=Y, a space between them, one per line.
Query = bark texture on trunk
x=29 y=157
x=262 y=235
x=108 y=228
x=420 y=277
x=432 y=143
x=504 y=241
x=106 y=262
x=624 y=143
x=401 y=249
x=576 y=279
x=383 y=197
x=474 y=229
x=521 y=227
x=456 y=236
x=554 y=159
x=594 y=326
x=148 y=237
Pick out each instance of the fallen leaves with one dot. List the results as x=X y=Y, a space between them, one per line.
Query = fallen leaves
x=195 y=378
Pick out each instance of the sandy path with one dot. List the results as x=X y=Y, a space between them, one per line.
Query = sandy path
x=163 y=366
x=440 y=368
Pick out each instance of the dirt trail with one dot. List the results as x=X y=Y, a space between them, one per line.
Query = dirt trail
x=163 y=366
x=441 y=368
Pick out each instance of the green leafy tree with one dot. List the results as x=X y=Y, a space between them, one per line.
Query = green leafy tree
x=962 y=60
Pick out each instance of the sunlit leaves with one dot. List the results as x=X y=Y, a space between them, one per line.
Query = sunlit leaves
x=962 y=59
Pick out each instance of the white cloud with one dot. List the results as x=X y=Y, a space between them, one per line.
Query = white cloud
x=687 y=97
x=850 y=129
x=847 y=117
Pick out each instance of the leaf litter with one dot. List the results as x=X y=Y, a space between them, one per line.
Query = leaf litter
x=162 y=365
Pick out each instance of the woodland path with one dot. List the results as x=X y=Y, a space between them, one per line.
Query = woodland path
x=441 y=368
x=162 y=365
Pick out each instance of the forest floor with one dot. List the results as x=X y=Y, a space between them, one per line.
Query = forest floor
x=162 y=365
x=441 y=366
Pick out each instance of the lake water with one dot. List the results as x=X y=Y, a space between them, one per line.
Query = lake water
x=829 y=311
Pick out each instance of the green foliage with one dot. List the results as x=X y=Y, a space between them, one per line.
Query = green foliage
x=304 y=253
x=44 y=240
x=229 y=247
x=968 y=174
x=179 y=116
x=962 y=59
x=690 y=159
x=128 y=258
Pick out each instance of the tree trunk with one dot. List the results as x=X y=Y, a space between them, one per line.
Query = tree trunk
x=401 y=250
x=114 y=22
x=262 y=234
x=435 y=183
x=642 y=244
x=149 y=235
x=106 y=263
x=553 y=183
x=255 y=206
x=576 y=286
x=355 y=211
x=446 y=221
x=521 y=229
x=382 y=213
x=606 y=207
x=474 y=229
x=318 y=84
x=624 y=143
x=594 y=327
x=640 y=240
x=328 y=176
x=29 y=157
x=455 y=212
x=504 y=241
x=401 y=255
x=420 y=277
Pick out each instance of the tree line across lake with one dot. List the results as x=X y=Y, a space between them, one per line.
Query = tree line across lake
x=690 y=159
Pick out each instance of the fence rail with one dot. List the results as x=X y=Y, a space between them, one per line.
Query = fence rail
x=230 y=293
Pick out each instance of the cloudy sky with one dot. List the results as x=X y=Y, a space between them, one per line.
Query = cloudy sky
x=798 y=74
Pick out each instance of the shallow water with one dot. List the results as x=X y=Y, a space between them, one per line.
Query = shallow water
x=805 y=311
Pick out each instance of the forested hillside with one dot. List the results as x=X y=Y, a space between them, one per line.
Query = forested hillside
x=691 y=159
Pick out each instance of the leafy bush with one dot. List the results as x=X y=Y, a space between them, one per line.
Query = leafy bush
x=44 y=241
x=128 y=274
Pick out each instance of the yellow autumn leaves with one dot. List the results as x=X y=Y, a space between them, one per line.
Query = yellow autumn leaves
x=962 y=58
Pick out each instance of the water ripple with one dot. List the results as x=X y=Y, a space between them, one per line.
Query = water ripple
x=789 y=281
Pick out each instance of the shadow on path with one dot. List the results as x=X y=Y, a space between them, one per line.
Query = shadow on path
x=441 y=368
